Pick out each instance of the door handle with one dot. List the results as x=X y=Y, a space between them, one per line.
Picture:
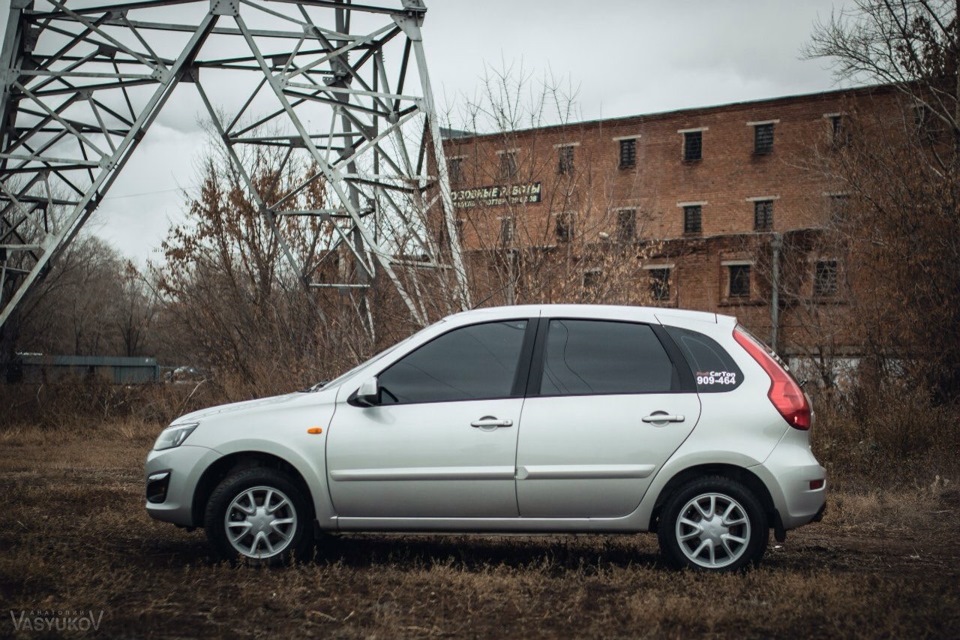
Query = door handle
x=661 y=416
x=490 y=422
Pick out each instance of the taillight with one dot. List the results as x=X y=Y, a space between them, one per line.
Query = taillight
x=785 y=394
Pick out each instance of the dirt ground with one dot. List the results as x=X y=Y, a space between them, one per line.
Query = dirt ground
x=76 y=542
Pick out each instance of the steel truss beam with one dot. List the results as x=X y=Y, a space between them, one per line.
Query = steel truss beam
x=338 y=87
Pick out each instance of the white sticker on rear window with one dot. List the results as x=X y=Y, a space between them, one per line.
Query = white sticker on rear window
x=708 y=378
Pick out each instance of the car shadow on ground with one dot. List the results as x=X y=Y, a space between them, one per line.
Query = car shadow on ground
x=418 y=551
x=482 y=552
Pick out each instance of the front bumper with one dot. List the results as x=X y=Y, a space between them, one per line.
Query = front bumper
x=178 y=471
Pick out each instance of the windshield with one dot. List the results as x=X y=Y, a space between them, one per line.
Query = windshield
x=363 y=365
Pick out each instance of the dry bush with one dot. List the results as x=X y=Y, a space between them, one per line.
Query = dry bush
x=93 y=403
x=888 y=434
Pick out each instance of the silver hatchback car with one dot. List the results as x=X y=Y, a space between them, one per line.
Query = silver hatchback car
x=532 y=419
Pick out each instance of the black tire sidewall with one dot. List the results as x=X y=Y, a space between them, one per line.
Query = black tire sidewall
x=238 y=482
x=759 y=528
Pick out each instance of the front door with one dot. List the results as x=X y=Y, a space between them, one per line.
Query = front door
x=442 y=442
x=607 y=413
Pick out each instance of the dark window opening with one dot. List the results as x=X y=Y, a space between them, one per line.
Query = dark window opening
x=565 y=164
x=839 y=207
x=739 y=281
x=626 y=225
x=508 y=165
x=660 y=284
x=588 y=357
x=763 y=215
x=763 y=139
x=563 y=226
x=825 y=278
x=455 y=170
x=927 y=125
x=506 y=231
x=471 y=363
x=839 y=131
x=591 y=278
x=692 y=218
x=628 y=153
x=692 y=146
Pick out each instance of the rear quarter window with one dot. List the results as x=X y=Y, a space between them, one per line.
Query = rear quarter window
x=713 y=368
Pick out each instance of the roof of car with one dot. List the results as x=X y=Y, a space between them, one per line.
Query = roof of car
x=650 y=314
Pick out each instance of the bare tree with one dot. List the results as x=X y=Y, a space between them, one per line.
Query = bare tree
x=72 y=310
x=554 y=234
x=232 y=305
x=901 y=167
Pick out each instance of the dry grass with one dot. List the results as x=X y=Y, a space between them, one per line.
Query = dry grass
x=76 y=537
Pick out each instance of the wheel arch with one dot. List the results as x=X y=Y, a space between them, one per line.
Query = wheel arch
x=740 y=474
x=224 y=466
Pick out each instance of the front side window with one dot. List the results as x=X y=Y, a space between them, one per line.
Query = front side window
x=592 y=357
x=478 y=362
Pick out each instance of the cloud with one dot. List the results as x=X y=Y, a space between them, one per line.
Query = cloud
x=626 y=56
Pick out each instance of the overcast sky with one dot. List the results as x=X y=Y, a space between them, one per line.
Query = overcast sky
x=623 y=56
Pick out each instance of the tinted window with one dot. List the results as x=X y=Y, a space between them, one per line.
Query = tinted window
x=470 y=363
x=586 y=357
x=712 y=366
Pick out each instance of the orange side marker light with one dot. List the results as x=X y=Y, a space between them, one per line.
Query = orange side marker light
x=315 y=430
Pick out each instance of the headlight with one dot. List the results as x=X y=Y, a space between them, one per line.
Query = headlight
x=174 y=436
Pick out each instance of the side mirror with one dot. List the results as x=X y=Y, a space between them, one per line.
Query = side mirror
x=368 y=395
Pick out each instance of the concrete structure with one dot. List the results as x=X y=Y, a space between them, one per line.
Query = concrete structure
x=37 y=369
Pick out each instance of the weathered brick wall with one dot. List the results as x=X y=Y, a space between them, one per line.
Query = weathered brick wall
x=727 y=179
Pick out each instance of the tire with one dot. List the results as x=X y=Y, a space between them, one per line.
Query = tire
x=260 y=516
x=713 y=524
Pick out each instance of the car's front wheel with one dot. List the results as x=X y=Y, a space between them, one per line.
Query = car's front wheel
x=259 y=514
x=713 y=524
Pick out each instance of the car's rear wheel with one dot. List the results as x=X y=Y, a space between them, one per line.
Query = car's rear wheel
x=713 y=524
x=259 y=515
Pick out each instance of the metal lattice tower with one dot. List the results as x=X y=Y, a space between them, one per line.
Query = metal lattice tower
x=339 y=86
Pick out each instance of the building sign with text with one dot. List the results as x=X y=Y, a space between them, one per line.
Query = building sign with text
x=497 y=195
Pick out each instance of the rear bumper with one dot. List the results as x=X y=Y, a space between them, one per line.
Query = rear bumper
x=789 y=473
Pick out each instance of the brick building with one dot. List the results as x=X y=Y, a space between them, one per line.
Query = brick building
x=720 y=208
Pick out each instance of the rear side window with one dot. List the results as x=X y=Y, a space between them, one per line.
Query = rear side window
x=590 y=357
x=714 y=369
x=477 y=362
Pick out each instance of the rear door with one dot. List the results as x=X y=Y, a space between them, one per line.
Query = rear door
x=606 y=407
